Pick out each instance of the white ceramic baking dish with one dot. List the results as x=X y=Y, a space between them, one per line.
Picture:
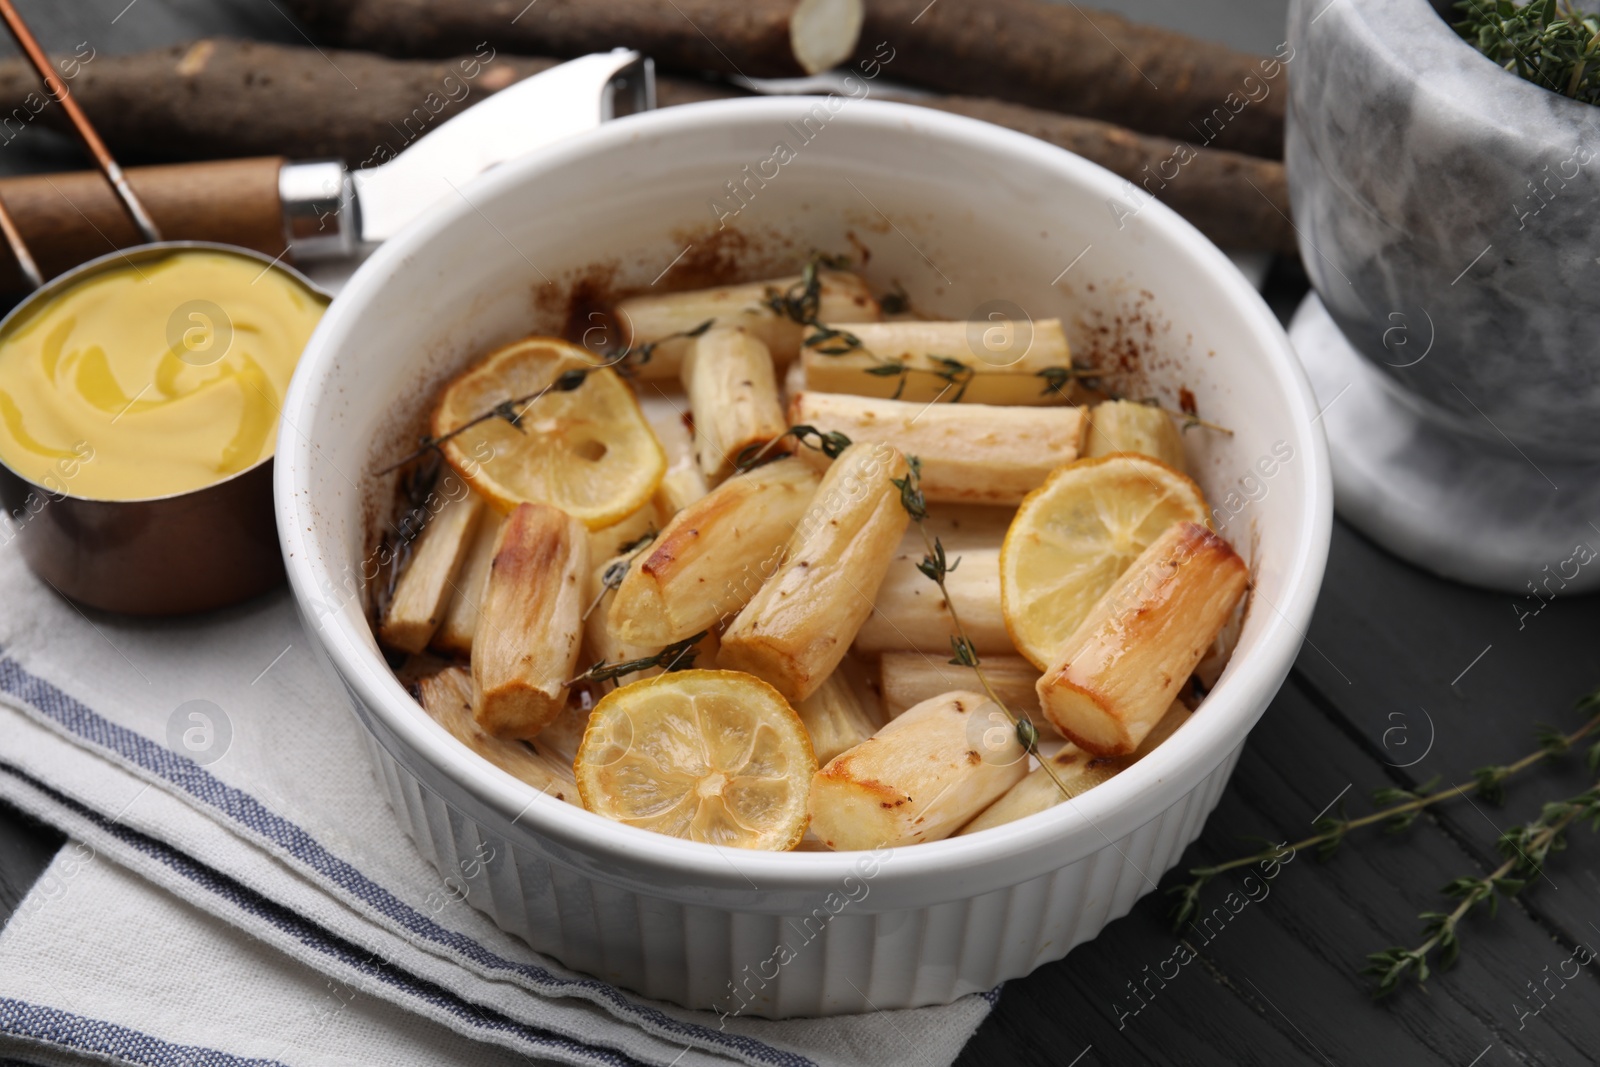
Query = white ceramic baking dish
x=960 y=213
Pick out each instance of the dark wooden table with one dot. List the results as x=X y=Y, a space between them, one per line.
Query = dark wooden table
x=1404 y=677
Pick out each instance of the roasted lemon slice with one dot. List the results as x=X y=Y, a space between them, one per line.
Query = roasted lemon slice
x=712 y=756
x=587 y=450
x=1074 y=535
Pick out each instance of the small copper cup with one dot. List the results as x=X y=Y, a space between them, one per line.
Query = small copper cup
x=192 y=551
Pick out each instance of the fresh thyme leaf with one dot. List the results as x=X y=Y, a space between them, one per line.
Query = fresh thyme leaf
x=1552 y=740
x=803 y=300
x=615 y=572
x=830 y=444
x=1028 y=736
x=1332 y=831
x=1490 y=783
x=934 y=566
x=750 y=456
x=507 y=410
x=628 y=359
x=910 y=487
x=965 y=654
x=1056 y=378
x=956 y=373
x=831 y=341
x=1188 y=419
x=801 y=303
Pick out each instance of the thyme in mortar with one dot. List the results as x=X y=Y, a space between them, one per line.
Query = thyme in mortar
x=1548 y=42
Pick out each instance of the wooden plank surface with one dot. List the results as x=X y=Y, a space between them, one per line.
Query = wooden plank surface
x=1404 y=677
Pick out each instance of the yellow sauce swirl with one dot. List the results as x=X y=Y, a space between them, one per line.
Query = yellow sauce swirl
x=152 y=377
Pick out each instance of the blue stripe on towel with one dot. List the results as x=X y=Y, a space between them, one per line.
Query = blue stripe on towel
x=244 y=809
x=315 y=937
x=93 y=1037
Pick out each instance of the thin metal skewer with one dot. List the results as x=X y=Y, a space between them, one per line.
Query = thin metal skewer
x=19 y=248
x=80 y=122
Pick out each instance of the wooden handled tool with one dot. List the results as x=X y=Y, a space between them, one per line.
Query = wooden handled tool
x=67 y=219
x=317 y=209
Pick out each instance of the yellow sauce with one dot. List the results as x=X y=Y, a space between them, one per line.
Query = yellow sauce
x=153 y=377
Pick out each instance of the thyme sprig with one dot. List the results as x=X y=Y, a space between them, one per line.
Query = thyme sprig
x=617 y=569
x=954 y=373
x=936 y=566
x=1399 y=808
x=830 y=444
x=678 y=656
x=515 y=409
x=1187 y=420
x=399 y=538
x=1525 y=848
x=802 y=303
x=1548 y=42
x=832 y=341
x=803 y=300
x=1056 y=380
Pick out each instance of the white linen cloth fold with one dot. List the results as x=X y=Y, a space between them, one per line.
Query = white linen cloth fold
x=269 y=870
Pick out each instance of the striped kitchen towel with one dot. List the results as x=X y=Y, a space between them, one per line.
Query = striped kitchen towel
x=261 y=904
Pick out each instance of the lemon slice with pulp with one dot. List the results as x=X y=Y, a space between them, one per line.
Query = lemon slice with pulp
x=712 y=756
x=586 y=449
x=1075 y=535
